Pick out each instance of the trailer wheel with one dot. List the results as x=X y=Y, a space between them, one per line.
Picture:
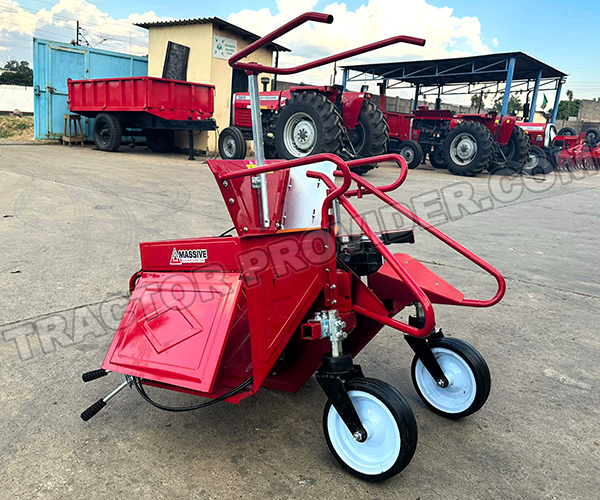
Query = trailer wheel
x=538 y=163
x=391 y=431
x=436 y=158
x=232 y=145
x=468 y=149
x=567 y=131
x=465 y=369
x=161 y=142
x=370 y=136
x=308 y=124
x=107 y=132
x=592 y=137
x=411 y=152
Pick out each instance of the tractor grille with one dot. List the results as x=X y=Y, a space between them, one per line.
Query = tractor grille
x=243 y=118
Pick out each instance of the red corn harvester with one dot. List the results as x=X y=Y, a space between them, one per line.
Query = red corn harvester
x=290 y=295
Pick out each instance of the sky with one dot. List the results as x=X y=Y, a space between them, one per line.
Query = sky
x=561 y=34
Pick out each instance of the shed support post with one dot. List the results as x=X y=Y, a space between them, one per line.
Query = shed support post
x=416 y=101
x=344 y=79
x=509 y=78
x=534 y=97
x=556 y=102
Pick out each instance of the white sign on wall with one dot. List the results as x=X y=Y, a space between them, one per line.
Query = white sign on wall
x=224 y=48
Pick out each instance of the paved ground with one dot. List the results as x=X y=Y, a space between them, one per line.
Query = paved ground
x=70 y=222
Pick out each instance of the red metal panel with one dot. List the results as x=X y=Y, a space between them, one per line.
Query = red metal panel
x=242 y=200
x=219 y=254
x=388 y=285
x=399 y=124
x=175 y=328
x=168 y=99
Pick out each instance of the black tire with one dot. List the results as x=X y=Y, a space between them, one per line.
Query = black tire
x=453 y=349
x=232 y=145
x=161 y=142
x=403 y=418
x=592 y=137
x=518 y=146
x=539 y=163
x=567 y=131
x=107 y=132
x=468 y=149
x=308 y=124
x=436 y=158
x=370 y=136
x=411 y=152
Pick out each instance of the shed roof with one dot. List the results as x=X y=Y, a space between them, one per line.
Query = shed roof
x=221 y=23
x=472 y=69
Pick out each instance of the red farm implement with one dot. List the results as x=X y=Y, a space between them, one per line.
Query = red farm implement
x=577 y=152
x=142 y=106
x=289 y=295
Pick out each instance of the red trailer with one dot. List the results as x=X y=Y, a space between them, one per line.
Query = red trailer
x=142 y=106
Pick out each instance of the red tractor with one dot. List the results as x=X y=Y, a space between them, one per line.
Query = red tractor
x=308 y=120
x=465 y=144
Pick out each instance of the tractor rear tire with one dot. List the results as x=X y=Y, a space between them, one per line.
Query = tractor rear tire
x=411 y=152
x=161 y=142
x=308 y=124
x=514 y=155
x=567 y=131
x=592 y=137
x=370 y=137
x=468 y=149
x=107 y=132
x=232 y=145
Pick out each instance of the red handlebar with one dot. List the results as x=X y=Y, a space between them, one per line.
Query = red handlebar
x=256 y=68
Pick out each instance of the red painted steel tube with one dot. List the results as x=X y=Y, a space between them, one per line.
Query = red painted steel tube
x=446 y=239
x=309 y=160
x=309 y=16
x=398 y=269
x=378 y=159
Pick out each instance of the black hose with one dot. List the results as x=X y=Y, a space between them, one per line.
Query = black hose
x=137 y=382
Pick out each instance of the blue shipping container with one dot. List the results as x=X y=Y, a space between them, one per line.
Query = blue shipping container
x=54 y=63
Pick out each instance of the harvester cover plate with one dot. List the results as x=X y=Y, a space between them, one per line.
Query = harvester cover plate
x=175 y=328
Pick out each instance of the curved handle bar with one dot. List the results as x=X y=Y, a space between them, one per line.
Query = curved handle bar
x=446 y=239
x=396 y=266
x=308 y=160
x=378 y=159
x=256 y=68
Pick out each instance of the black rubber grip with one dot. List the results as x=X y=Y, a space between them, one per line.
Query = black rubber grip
x=94 y=374
x=92 y=410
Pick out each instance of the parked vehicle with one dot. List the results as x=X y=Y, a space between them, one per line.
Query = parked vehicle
x=142 y=106
x=308 y=120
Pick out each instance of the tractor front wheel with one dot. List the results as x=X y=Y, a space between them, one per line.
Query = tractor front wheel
x=232 y=145
x=411 y=152
x=308 y=124
x=468 y=149
x=538 y=163
x=436 y=157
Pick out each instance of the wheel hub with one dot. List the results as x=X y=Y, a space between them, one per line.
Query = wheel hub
x=408 y=154
x=463 y=149
x=229 y=146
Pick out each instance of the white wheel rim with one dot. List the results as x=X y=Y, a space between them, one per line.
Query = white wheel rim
x=462 y=388
x=408 y=154
x=533 y=161
x=230 y=147
x=380 y=451
x=463 y=149
x=300 y=135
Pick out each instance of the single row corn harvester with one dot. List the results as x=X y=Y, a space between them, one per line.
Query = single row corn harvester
x=289 y=296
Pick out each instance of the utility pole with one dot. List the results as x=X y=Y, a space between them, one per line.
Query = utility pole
x=77 y=35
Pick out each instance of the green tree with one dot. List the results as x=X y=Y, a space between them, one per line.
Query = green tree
x=514 y=104
x=477 y=101
x=567 y=108
x=17 y=73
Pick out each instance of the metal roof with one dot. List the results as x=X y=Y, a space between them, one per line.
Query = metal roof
x=473 y=69
x=221 y=23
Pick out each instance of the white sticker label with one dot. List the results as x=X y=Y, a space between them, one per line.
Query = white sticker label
x=193 y=256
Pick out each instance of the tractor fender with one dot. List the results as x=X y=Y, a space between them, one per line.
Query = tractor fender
x=352 y=104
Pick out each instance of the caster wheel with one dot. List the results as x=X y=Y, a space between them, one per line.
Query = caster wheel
x=467 y=372
x=391 y=431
